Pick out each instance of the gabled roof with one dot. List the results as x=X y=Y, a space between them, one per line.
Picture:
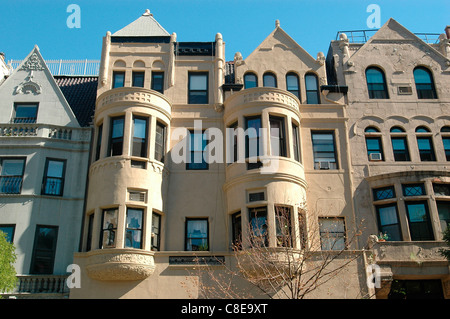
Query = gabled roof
x=145 y=26
x=80 y=93
x=394 y=31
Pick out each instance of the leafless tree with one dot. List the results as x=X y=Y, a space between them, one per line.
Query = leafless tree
x=307 y=254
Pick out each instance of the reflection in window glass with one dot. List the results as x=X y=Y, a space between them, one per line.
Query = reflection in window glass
x=197 y=235
x=133 y=231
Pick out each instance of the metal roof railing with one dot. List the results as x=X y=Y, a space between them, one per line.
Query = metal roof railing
x=362 y=36
x=67 y=67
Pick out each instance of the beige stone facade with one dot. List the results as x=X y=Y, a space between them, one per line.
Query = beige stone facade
x=148 y=215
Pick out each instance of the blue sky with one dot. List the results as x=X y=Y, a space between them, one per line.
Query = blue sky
x=244 y=24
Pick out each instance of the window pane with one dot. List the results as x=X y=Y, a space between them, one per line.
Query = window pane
x=198 y=82
x=11 y=176
x=116 y=141
x=250 y=81
x=160 y=142
x=44 y=250
x=332 y=233
x=133 y=232
x=384 y=193
x=197 y=145
x=252 y=145
x=413 y=190
x=295 y=138
x=446 y=142
x=236 y=222
x=26 y=113
x=156 y=225
x=258 y=227
x=197 y=235
x=54 y=178
x=138 y=79
x=158 y=81
x=426 y=151
x=419 y=223
x=376 y=84
x=9 y=231
x=323 y=148
x=312 y=92
x=139 y=137
x=118 y=79
x=388 y=222
x=269 y=80
x=424 y=84
x=12 y=167
x=400 y=149
x=444 y=214
x=109 y=227
x=277 y=139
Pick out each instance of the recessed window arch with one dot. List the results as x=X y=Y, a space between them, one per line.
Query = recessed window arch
x=399 y=144
x=371 y=129
x=269 y=80
x=293 y=84
x=312 y=88
x=250 y=80
x=425 y=144
x=374 y=144
x=376 y=83
x=424 y=83
x=422 y=129
x=445 y=129
x=397 y=129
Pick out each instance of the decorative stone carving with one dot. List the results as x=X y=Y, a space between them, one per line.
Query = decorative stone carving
x=29 y=86
x=120 y=264
x=32 y=64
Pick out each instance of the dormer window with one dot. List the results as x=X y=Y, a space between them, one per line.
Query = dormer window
x=25 y=113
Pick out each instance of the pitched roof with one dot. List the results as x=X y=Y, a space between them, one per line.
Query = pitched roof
x=145 y=26
x=81 y=93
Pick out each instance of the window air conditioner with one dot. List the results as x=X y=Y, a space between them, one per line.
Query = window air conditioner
x=324 y=165
x=375 y=156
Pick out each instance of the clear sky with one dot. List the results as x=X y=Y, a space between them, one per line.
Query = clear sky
x=244 y=24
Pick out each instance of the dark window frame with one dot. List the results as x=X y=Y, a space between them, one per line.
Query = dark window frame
x=157 y=235
x=310 y=91
x=154 y=81
x=131 y=230
x=120 y=140
x=162 y=145
x=414 y=236
x=377 y=90
x=397 y=224
x=295 y=91
x=138 y=140
x=138 y=75
x=111 y=230
x=205 y=97
x=320 y=132
x=422 y=93
x=99 y=142
x=258 y=138
x=236 y=230
x=61 y=179
x=246 y=86
x=36 y=251
x=271 y=76
x=114 y=78
x=186 y=238
x=282 y=140
x=13 y=227
x=191 y=165
x=25 y=120
x=17 y=180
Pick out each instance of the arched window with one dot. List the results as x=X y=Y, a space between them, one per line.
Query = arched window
x=269 y=80
x=292 y=84
x=250 y=80
x=425 y=144
x=373 y=144
x=424 y=83
x=445 y=132
x=376 y=83
x=399 y=144
x=312 y=89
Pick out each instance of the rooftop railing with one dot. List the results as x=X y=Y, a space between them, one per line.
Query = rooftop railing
x=362 y=36
x=67 y=67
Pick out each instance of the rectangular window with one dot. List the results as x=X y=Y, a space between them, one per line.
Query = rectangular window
x=383 y=193
x=197 y=234
x=419 y=221
x=400 y=149
x=441 y=189
x=138 y=79
x=11 y=177
x=283 y=224
x=140 y=131
x=198 y=88
x=332 y=233
x=156 y=231
x=109 y=228
x=296 y=142
x=90 y=231
x=234 y=146
x=253 y=141
x=444 y=214
x=446 y=141
x=25 y=112
x=374 y=147
x=160 y=141
x=115 y=145
x=324 y=150
x=426 y=150
x=53 y=183
x=197 y=145
x=236 y=224
x=99 y=142
x=44 y=250
x=118 y=79
x=158 y=82
x=413 y=190
x=277 y=136
x=134 y=228
x=388 y=222
x=259 y=236
x=9 y=231
x=254 y=197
